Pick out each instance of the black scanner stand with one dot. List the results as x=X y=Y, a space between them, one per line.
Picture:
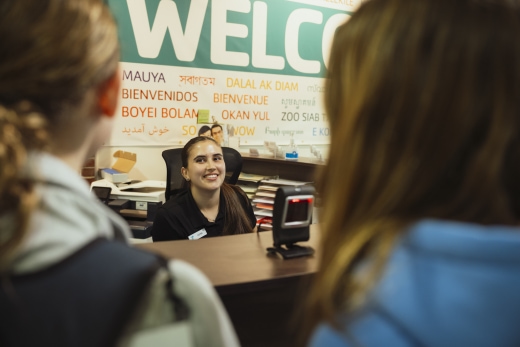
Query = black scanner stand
x=291 y=251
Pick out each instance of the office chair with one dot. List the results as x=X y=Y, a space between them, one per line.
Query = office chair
x=175 y=183
x=174 y=180
x=233 y=161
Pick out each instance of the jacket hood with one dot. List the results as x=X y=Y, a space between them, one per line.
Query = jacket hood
x=67 y=216
x=454 y=284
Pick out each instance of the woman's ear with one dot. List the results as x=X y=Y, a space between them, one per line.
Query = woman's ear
x=184 y=174
x=108 y=94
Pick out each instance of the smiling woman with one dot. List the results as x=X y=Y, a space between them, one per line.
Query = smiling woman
x=209 y=207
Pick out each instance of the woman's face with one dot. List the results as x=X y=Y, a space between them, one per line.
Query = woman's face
x=206 y=168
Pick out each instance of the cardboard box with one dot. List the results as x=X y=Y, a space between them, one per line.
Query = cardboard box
x=125 y=161
x=119 y=171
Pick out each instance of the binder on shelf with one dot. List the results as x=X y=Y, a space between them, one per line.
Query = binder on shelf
x=268 y=188
x=263 y=213
x=263 y=199
x=247 y=177
x=265 y=206
x=282 y=182
x=268 y=194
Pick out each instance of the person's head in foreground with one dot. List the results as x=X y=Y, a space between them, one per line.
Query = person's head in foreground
x=423 y=98
x=58 y=93
x=59 y=87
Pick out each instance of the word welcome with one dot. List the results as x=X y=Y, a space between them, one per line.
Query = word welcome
x=150 y=31
x=240 y=99
x=161 y=95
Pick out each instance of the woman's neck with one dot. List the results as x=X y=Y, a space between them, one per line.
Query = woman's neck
x=206 y=199
x=207 y=202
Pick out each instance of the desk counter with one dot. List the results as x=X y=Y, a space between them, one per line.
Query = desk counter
x=261 y=292
x=234 y=262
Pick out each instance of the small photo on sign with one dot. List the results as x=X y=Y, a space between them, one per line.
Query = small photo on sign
x=203 y=117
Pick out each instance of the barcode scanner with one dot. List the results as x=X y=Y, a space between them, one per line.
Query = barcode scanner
x=292 y=215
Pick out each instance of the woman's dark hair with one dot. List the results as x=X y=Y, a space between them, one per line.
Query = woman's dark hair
x=204 y=129
x=214 y=126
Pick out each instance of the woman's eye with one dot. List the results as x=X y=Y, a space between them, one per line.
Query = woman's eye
x=217 y=158
x=200 y=160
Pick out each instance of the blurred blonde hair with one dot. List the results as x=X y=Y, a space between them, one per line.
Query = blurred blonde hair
x=51 y=53
x=423 y=99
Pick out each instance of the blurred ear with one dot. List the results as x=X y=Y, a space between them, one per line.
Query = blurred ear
x=184 y=173
x=108 y=94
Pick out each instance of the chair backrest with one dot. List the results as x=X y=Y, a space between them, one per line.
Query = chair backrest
x=233 y=161
x=174 y=180
x=176 y=183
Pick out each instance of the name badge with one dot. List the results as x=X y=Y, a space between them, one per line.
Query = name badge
x=197 y=235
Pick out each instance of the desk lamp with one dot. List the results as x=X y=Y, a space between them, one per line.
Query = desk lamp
x=292 y=214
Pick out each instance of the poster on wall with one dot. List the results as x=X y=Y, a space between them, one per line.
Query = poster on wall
x=255 y=67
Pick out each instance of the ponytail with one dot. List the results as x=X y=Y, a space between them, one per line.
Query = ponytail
x=236 y=218
x=21 y=129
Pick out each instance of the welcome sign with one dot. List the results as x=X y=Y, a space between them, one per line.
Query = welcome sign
x=257 y=67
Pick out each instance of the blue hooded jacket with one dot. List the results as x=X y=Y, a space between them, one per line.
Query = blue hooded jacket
x=446 y=284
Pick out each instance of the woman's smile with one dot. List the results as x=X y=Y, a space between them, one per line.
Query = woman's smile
x=212 y=176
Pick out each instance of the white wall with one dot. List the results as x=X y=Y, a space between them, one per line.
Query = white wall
x=150 y=164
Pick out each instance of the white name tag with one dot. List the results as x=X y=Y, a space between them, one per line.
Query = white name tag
x=195 y=236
